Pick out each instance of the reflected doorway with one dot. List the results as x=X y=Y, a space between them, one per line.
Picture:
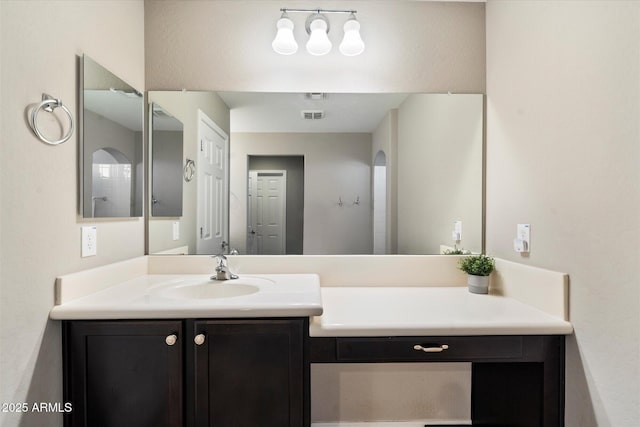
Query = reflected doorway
x=275 y=205
x=267 y=205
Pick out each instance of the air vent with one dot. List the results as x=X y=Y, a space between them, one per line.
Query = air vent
x=312 y=114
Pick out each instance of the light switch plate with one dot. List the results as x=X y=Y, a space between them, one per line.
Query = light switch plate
x=176 y=230
x=89 y=241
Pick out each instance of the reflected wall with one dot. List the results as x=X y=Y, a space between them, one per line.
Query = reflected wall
x=440 y=172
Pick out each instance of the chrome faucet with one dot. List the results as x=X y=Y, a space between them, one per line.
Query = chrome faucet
x=222 y=269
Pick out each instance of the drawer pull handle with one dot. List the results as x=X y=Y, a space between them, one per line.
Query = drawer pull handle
x=199 y=339
x=435 y=349
x=171 y=339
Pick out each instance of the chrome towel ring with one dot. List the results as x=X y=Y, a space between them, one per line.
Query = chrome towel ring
x=49 y=104
x=189 y=170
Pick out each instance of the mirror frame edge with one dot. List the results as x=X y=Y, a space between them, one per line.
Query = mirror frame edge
x=146 y=159
x=80 y=127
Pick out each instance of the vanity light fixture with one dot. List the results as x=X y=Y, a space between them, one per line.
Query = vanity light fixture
x=317 y=26
x=352 y=43
x=285 y=43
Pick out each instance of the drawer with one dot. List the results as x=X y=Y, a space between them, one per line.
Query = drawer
x=426 y=349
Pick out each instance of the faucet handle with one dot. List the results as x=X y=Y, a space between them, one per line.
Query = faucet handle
x=220 y=259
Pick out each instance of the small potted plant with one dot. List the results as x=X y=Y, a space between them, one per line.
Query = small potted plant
x=456 y=251
x=478 y=269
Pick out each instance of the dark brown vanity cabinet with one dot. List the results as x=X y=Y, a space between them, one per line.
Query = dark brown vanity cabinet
x=173 y=373
x=516 y=380
x=250 y=374
x=123 y=373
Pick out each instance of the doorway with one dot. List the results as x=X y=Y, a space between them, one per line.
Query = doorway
x=267 y=205
x=275 y=205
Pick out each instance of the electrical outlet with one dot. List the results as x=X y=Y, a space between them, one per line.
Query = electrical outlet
x=176 y=230
x=89 y=241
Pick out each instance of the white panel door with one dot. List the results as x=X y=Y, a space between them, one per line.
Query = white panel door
x=267 y=202
x=212 y=173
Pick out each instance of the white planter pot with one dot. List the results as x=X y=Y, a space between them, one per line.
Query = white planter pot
x=478 y=284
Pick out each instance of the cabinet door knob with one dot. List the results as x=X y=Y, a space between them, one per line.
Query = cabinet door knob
x=199 y=339
x=431 y=349
x=171 y=339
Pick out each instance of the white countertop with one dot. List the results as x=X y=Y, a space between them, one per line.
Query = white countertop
x=415 y=311
x=523 y=300
x=143 y=297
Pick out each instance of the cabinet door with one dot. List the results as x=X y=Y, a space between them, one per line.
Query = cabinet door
x=123 y=373
x=251 y=373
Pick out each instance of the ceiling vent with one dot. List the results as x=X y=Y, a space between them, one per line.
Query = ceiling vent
x=312 y=114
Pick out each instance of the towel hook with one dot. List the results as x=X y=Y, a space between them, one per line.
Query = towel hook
x=49 y=104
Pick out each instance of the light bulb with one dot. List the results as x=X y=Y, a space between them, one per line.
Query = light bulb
x=285 y=43
x=352 y=43
x=319 y=43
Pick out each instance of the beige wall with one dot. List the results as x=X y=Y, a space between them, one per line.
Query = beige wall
x=406 y=393
x=563 y=84
x=413 y=46
x=39 y=225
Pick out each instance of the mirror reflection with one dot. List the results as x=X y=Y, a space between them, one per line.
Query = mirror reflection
x=202 y=227
x=167 y=171
x=275 y=205
x=317 y=173
x=111 y=144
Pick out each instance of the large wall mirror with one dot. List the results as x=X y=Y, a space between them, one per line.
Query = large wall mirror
x=331 y=173
x=111 y=144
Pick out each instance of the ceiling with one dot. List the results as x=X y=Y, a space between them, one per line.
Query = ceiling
x=282 y=112
x=118 y=106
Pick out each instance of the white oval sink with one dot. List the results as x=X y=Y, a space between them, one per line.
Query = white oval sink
x=211 y=289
